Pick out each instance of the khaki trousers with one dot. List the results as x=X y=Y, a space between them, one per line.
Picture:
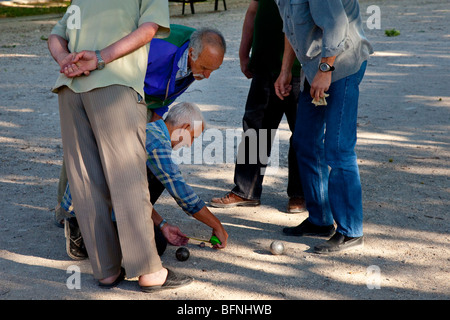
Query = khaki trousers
x=103 y=133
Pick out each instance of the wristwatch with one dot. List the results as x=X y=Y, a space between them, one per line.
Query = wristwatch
x=100 y=62
x=325 y=67
x=163 y=222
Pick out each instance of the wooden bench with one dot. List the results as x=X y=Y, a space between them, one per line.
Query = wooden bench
x=191 y=2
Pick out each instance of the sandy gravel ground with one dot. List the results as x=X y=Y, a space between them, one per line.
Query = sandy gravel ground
x=404 y=156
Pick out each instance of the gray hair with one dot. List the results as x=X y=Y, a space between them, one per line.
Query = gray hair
x=206 y=36
x=185 y=113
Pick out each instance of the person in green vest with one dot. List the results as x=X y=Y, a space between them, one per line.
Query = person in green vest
x=174 y=63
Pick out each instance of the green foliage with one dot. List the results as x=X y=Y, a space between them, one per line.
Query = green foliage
x=392 y=32
x=37 y=9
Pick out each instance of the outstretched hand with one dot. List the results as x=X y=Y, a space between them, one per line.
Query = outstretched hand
x=174 y=235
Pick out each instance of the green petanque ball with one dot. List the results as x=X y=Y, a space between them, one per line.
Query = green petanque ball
x=214 y=240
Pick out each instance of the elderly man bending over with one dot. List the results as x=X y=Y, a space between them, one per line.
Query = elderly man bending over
x=184 y=123
x=174 y=63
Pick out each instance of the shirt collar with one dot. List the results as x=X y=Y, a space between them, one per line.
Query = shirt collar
x=157 y=133
x=162 y=125
x=184 y=69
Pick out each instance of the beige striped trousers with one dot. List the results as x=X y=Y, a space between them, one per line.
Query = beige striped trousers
x=103 y=134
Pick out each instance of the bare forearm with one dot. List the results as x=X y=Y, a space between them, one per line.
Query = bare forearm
x=157 y=219
x=57 y=47
x=86 y=61
x=247 y=30
x=288 y=57
x=283 y=85
x=138 y=38
x=205 y=216
x=329 y=60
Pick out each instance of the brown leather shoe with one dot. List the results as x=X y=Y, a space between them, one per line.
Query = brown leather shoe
x=296 y=205
x=231 y=200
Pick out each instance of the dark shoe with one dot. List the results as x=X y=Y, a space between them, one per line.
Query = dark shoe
x=173 y=280
x=306 y=228
x=116 y=282
x=74 y=241
x=296 y=205
x=232 y=200
x=339 y=242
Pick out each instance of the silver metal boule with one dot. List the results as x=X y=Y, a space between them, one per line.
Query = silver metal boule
x=277 y=247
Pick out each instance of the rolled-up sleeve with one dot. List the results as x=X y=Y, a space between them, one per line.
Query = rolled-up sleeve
x=156 y=11
x=60 y=29
x=330 y=16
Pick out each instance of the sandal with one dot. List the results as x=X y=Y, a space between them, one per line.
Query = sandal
x=116 y=282
x=173 y=280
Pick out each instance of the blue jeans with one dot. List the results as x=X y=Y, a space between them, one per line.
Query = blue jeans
x=325 y=140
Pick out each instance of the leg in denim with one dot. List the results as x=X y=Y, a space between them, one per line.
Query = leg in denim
x=325 y=139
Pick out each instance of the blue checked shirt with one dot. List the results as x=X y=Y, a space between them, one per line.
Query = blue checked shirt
x=160 y=163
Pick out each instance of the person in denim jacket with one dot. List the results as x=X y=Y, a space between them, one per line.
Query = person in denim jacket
x=328 y=39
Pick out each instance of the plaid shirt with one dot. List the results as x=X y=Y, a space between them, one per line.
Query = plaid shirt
x=160 y=163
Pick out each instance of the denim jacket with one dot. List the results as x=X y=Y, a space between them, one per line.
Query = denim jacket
x=325 y=28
